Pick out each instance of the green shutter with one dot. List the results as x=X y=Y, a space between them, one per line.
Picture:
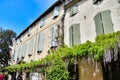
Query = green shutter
x=56 y=12
x=40 y=42
x=98 y=24
x=71 y=36
x=19 y=55
x=54 y=36
x=107 y=22
x=23 y=50
x=31 y=44
x=76 y=34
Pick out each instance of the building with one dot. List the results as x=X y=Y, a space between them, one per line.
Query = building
x=71 y=22
x=84 y=19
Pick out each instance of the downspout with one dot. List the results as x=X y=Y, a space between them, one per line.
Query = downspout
x=63 y=21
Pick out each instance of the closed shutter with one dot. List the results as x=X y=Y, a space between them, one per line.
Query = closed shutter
x=71 y=36
x=23 y=50
x=40 y=42
x=98 y=24
x=56 y=12
x=76 y=34
x=19 y=55
x=31 y=47
x=107 y=22
x=54 y=36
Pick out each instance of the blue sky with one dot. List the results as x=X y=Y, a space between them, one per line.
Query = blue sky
x=18 y=14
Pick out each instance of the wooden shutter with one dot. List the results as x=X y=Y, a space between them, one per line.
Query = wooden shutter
x=76 y=34
x=71 y=36
x=40 y=42
x=56 y=12
x=19 y=55
x=107 y=22
x=54 y=36
x=98 y=24
x=31 y=44
x=23 y=50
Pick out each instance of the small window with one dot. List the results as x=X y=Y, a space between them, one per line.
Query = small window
x=56 y=12
x=29 y=31
x=97 y=1
x=21 y=39
x=42 y=22
x=74 y=10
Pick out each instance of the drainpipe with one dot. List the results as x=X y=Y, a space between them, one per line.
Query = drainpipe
x=63 y=21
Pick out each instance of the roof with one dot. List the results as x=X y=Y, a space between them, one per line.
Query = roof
x=58 y=2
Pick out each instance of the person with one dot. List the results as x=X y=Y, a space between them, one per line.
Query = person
x=1 y=76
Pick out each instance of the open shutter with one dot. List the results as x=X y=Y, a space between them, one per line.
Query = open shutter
x=76 y=34
x=54 y=36
x=31 y=47
x=107 y=22
x=98 y=24
x=71 y=36
x=23 y=50
x=40 y=42
x=56 y=12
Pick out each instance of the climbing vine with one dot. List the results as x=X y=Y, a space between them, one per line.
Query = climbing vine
x=55 y=65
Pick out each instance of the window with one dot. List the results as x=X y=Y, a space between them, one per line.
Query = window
x=29 y=31
x=97 y=1
x=74 y=34
x=40 y=42
x=54 y=36
x=21 y=39
x=56 y=12
x=74 y=10
x=103 y=22
x=42 y=22
x=19 y=55
x=31 y=47
x=23 y=50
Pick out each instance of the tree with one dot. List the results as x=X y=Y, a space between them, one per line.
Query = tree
x=6 y=41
